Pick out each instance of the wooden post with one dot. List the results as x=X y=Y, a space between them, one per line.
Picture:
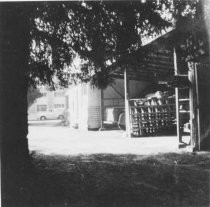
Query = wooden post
x=102 y=110
x=127 y=106
x=202 y=109
x=198 y=109
x=176 y=72
x=192 y=106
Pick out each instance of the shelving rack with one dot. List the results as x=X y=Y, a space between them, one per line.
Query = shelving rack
x=151 y=116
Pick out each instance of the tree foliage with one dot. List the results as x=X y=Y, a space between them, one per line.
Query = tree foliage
x=107 y=36
x=191 y=35
x=33 y=94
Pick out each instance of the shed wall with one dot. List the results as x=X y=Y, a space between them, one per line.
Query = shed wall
x=85 y=101
x=204 y=104
x=94 y=108
x=78 y=105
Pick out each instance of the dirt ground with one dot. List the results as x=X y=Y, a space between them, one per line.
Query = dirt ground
x=126 y=172
x=60 y=140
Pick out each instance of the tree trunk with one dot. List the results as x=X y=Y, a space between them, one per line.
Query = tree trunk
x=14 y=53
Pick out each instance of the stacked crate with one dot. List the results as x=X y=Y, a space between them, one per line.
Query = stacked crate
x=151 y=116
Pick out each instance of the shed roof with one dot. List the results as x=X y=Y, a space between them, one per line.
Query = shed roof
x=157 y=64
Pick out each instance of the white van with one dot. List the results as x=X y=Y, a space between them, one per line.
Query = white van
x=51 y=114
x=43 y=113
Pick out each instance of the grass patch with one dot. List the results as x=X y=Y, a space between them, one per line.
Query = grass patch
x=106 y=180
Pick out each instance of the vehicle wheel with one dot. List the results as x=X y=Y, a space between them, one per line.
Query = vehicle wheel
x=43 y=118
x=61 y=117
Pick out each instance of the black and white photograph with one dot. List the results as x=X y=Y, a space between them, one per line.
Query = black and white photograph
x=105 y=103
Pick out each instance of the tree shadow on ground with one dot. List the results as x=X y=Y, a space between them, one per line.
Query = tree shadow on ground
x=105 y=180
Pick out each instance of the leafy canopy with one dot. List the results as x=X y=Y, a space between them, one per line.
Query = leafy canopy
x=32 y=95
x=106 y=35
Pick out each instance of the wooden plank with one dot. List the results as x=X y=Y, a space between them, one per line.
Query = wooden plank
x=155 y=112
x=159 y=67
x=139 y=76
x=152 y=106
x=127 y=107
x=153 y=120
x=148 y=67
x=192 y=105
x=176 y=72
x=102 y=110
x=198 y=107
x=184 y=99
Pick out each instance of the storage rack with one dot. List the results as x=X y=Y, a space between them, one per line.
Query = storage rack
x=151 y=116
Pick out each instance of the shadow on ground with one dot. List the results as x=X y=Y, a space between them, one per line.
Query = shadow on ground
x=49 y=123
x=105 y=180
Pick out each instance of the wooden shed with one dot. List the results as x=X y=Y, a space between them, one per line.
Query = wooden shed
x=162 y=65
x=192 y=89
